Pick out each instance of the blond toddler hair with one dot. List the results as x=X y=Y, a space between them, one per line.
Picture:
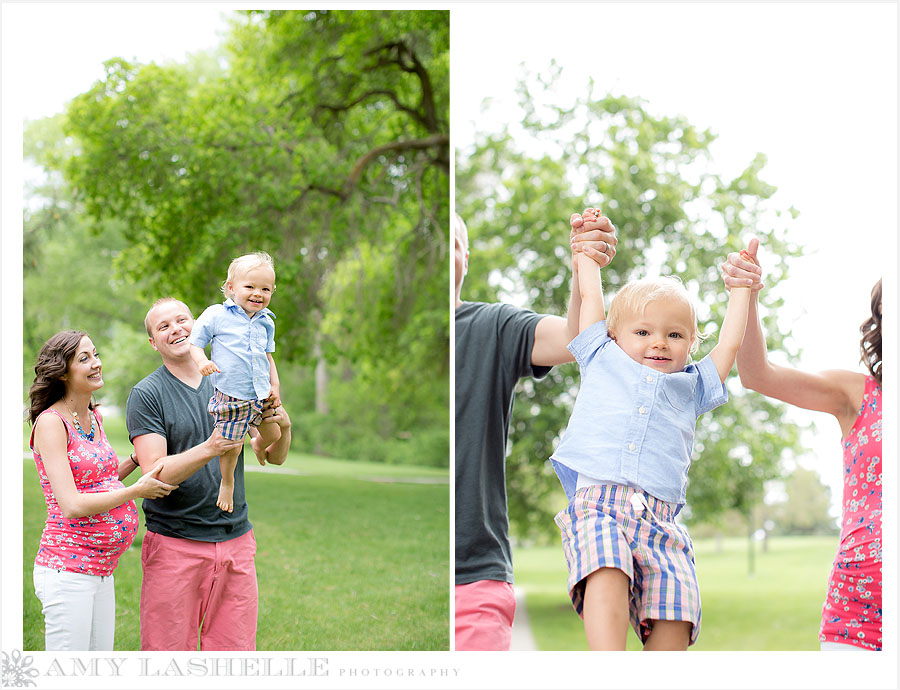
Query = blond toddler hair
x=241 y=265
x=635 y=295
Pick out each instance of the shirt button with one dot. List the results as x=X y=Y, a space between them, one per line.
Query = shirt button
x=642 y=410
x=630 y=446
x=649 y=378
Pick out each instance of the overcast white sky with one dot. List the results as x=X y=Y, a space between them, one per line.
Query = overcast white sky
x=812 y=86
x=61 y=48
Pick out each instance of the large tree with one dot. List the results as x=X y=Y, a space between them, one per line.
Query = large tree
x=653 y=176
x=315 y=136
x=320 y=137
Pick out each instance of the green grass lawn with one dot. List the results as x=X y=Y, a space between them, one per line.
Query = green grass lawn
x=342 y=563
x=778 y=608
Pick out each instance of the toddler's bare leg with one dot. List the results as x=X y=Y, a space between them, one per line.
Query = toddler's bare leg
x=606 y=609
x=227 y=463
x=670 y=636
x=267 y=434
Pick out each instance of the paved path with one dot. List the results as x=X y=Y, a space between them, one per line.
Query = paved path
x=522 y=638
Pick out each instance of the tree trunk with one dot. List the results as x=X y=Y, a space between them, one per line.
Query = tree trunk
x=321 y=379
x=751 y=552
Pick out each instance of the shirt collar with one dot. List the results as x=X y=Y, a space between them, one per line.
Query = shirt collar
x=230 y=304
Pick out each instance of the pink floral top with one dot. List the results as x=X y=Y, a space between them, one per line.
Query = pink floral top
x=90 y=544
x=852 y=610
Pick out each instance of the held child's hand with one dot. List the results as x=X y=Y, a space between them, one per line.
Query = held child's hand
x=209 y=368
x=274 y=397
x=742 y=268
x=745 y=255
x=577 y=223
x=594 y=235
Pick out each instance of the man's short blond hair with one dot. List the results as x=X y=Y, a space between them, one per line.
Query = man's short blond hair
x=242 y=264
x=635 y=295
x=160 y=301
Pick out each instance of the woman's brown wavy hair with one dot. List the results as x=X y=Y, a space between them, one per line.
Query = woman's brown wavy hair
x=51 y=365
x=870 y=345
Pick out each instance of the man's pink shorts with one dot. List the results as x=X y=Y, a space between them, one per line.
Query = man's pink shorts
x=484 y=616
x=188 y=583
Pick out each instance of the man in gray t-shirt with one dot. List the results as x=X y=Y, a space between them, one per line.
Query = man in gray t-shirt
x=199 y=574
x=496 y=345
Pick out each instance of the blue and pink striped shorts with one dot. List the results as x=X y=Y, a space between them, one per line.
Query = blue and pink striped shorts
x=615 y=526
x=233 y=415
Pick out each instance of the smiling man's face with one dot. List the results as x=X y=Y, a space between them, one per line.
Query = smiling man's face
x=169 y=325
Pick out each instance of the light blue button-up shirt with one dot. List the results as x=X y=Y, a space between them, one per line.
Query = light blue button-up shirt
x=239 y=347
x=632 y=424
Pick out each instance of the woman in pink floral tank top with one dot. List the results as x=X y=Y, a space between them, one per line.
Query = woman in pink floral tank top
x=852 y=611
x=851 y=615
x=91 y=515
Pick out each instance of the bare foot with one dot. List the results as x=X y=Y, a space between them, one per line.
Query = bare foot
x=258 y=446
x=226 y=497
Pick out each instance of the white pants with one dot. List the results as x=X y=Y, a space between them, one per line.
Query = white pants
x=79 y=610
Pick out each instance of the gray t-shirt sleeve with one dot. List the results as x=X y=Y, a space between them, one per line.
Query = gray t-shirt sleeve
x=143 y=414
x=515 y=333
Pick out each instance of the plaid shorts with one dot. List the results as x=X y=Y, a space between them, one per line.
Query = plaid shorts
x=233 y=415
x=614 y=526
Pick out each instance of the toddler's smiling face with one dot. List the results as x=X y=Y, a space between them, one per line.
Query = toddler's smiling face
x=661 y=337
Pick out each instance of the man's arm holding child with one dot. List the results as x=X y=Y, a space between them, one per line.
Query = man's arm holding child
x=149 y=448
x=276 y=453
x=731 y=335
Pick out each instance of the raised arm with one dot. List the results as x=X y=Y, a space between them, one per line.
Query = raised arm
x=591 y=289
x=732 y=332
x=551 y=335
x=590 y=285
x=590 y=233
x=834 y=391
x=731 y=335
